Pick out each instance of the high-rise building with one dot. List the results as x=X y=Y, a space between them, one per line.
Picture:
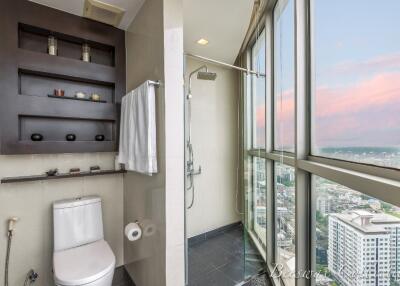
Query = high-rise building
x=364 y=248
x=324 y=204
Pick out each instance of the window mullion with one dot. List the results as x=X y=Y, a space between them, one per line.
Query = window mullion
x=304 y=244
x=271 y=245
x=384 y=189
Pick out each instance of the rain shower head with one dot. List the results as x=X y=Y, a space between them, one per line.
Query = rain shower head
x=202 y=75
x=206 y=75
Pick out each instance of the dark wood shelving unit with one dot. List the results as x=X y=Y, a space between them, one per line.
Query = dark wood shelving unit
x=59 y=176
x=29 y=75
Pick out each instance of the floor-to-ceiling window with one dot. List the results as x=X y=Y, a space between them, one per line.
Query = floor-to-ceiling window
x=284 y=76
x=332 y=141
x=283 y=135
x=356 y=118
x=356 y=114
x=256 y=144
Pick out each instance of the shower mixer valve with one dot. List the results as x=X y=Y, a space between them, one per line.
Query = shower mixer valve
x=191 y=171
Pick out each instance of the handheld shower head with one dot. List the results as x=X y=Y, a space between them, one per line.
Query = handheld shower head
x=11 y=223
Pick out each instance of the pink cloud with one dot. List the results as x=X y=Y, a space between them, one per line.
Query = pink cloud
x=375 y=92
x=377 y=64
x=260 y=116
x=284 y=126
x=366 y=113
x=260 y=122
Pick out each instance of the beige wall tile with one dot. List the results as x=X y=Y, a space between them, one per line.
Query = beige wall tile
x=110 y=189
x=214 y=136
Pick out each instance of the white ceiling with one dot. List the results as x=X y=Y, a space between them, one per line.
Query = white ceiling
x=222 y=22
x=131 y=8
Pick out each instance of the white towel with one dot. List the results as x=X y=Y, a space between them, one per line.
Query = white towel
x=137 y=144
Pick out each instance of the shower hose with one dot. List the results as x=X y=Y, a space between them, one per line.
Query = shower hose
x=7 y=258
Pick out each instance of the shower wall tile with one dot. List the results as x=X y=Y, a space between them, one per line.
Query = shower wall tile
x=110 y=189
x=29 y=228
x=215 y=142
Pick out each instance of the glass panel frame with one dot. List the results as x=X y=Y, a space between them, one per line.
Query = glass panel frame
x=259 y=200
x=362 y=72
x=284 y=73
x=258 y=91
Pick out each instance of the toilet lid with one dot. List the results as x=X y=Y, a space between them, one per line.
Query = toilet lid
x=84 y=264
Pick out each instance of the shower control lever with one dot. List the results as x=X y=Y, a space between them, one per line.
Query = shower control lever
x=191 y=171
x=198 y=172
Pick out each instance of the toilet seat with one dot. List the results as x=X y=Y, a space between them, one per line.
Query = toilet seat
x=84 y=264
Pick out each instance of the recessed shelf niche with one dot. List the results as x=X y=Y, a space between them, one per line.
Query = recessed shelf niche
x=36 y=39
x=41 y=84
x=55 y=129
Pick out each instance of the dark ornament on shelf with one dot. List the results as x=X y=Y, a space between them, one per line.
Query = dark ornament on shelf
x=94 y=169
x=52 y=172
x=70 y=137
x=36 y=137
x=99 y=137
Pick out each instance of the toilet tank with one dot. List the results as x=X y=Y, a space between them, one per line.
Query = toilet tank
x=77 y=222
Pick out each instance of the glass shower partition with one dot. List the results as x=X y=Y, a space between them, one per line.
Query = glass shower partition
x=254 y=165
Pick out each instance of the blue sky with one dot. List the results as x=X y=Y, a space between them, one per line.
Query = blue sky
x=353 y=31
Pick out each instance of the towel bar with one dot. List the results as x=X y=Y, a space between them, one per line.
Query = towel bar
x=155 y=83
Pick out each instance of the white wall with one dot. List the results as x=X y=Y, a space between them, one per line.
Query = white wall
x=32 y=245
x=215 y=139
x=174 y=142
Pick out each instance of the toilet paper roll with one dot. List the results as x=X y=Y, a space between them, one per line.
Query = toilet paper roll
x=133 y=231
x=148 y=227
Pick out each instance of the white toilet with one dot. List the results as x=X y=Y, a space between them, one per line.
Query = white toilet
x=81 y=255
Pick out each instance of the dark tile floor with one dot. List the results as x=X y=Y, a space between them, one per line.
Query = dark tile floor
x=122 y=278
x=222 y=260
x=261 y=280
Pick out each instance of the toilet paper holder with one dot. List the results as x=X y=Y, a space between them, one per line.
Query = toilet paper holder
x=133 y=231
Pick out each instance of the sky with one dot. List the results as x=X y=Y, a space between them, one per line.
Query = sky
x=356 y=88
x=258 y=64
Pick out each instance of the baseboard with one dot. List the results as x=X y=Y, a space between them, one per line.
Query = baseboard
x=202 y=237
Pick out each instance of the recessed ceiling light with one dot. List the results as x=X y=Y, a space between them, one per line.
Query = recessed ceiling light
x=202 y=42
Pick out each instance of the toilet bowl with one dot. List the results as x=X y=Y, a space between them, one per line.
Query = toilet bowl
x=92 y=264
x=81 y=255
